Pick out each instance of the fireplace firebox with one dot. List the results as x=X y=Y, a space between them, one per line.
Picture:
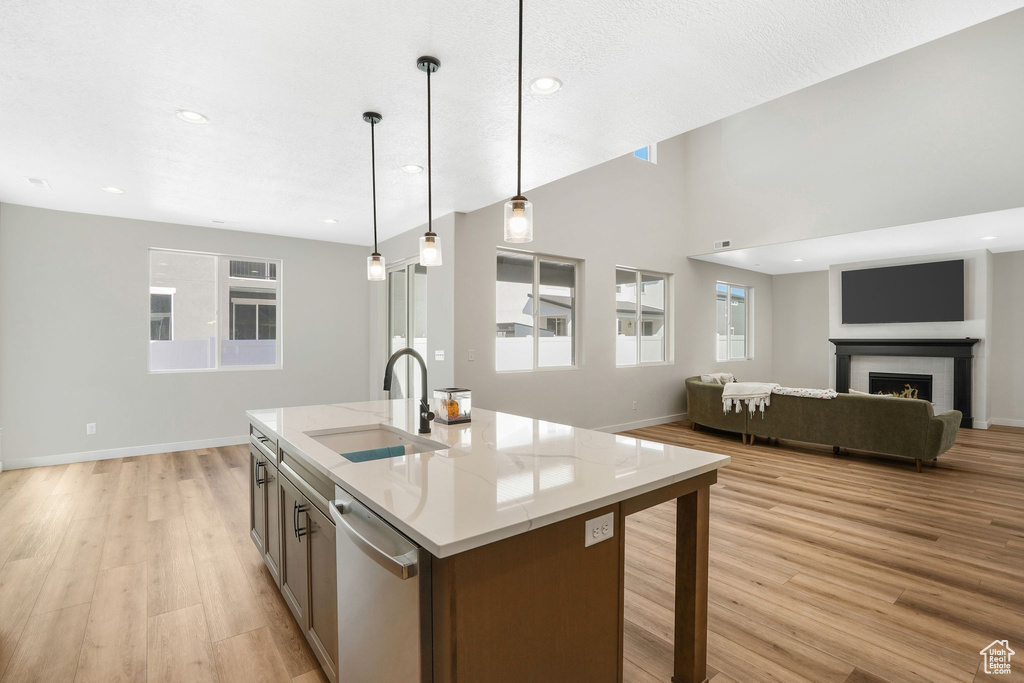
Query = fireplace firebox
x=902 y=384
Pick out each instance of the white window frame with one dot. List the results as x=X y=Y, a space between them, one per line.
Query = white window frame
x=217 y=281
x=749 y=346
x=577 y=328
x=638 y=317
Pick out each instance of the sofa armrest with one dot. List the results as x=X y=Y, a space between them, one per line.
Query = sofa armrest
x=942 y=431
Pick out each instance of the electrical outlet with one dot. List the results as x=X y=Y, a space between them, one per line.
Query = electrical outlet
x=472 y=354
x=599 y=529
x=439 y=354
x=90 y=428
x=636 y=404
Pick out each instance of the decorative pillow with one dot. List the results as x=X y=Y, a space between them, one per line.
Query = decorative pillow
x=718 y=378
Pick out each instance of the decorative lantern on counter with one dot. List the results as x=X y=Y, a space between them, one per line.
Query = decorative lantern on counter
x=454 y=405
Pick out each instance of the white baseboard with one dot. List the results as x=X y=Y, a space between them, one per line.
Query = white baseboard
x=642 y=423
x=127 y=452
x=1005 y=422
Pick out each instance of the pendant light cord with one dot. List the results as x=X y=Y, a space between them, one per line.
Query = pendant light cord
x=373 y=167
x=519 y=138
x=430 y=207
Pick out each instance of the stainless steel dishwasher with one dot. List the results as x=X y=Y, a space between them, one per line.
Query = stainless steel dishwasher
x=384 y=596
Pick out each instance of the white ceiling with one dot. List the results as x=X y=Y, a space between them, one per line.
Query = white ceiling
x=89 y=92
x=946 y=236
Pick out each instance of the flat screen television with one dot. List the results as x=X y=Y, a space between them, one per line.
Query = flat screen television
x=917 y=293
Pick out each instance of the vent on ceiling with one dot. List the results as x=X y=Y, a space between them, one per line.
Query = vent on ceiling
x=724 y=244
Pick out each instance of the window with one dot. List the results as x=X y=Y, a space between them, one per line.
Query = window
x=535 y=293
x=648 y=153
x=407 y=325
x=161 y=312
x=253 y=270
x=253 y=314
x=641 y=323
x=209 y=312
x=735 y=318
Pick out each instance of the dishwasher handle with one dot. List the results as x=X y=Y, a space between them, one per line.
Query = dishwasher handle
x=403 y=565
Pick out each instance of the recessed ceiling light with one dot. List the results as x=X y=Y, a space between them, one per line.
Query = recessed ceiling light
x=798 y=260
x=331 y=221
x=412 y=168
x=545 y=85
x=112 y=190
x=989 y=237
x=221 y=221
x=189 y=116
x=38 y=182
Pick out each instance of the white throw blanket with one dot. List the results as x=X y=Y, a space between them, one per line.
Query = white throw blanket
x=756 y=395
x=805 y=393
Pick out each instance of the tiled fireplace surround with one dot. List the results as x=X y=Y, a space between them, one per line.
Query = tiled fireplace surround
x=941 y=370
x=948 y=361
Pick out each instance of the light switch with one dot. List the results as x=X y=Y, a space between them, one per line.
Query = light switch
x=439 y=354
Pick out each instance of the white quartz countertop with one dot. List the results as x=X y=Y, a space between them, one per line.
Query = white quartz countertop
x=499 y=476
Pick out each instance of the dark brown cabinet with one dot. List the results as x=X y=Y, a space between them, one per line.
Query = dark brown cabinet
x=290 y=524
x=323 y=588
x=294 y=550
x=257 y=499
x=272 y=545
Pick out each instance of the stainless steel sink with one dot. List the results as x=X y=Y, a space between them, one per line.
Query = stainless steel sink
x=361 y=440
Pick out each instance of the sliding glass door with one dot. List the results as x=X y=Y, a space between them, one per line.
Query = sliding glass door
x=407 y=325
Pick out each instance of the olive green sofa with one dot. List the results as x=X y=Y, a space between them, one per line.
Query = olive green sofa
x=905 y=428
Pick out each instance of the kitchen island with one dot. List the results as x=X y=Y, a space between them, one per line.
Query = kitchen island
x=514 y=527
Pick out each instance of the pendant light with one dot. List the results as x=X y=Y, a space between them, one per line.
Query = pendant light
x=519 y=210
x=430 y=244
x=375 y=269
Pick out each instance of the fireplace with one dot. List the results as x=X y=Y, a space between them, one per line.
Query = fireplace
x=902 y=384
x=960 y=350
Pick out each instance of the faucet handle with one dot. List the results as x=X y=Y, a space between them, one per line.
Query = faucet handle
x=429 y=414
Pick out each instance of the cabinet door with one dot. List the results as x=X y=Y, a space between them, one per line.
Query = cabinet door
x=272 y=541
x=323 y=591
x=294 y=550
x=257 y=499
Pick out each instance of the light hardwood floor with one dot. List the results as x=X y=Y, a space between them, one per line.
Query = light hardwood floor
x=848 y=569
x=140 y=569
x=822 y=569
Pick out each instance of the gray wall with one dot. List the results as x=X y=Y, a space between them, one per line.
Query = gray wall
x=74 y=296
x=977 y=322
x=1006 y=386
x=800 y=330
x=404 y=248
x=624 y=212
x=929 y=133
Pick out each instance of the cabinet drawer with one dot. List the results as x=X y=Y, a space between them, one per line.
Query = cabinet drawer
x=265 y=443
x=318 y=489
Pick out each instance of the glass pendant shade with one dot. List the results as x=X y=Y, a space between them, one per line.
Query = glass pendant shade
x=518 y=220
x=375 y=269
x=430 y=250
